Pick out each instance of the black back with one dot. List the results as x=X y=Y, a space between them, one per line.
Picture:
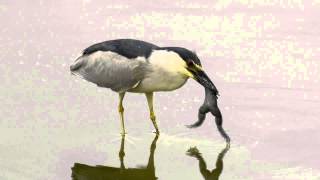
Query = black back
x=132 y=48
x=129 y=48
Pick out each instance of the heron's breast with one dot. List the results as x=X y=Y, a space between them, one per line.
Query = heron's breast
x=165 y=72
x=160 y=80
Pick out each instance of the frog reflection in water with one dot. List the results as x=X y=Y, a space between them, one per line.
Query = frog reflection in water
x=215 y=173
x=86 y=172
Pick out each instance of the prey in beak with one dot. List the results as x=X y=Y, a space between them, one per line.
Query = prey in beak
x=210 y=103
x=201 y=77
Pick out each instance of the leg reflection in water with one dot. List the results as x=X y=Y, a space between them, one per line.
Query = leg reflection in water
x=86 y=172
x=215 y=173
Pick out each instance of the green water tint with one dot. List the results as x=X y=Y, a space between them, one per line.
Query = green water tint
x=86 y=172
x=100 y=172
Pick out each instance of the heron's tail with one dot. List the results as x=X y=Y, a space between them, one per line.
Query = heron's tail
x=77 y=64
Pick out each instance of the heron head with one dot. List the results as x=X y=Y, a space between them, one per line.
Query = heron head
x=195 y=70
x=191 y=66
x=197 y=73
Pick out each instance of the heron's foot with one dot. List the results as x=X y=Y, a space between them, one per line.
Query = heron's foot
x=157 y=132
x=154 y=122
x=123 y=133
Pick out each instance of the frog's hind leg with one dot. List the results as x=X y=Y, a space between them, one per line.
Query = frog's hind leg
x=215 y=111
x=203 y=110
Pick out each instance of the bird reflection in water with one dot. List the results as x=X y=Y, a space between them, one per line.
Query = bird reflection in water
x=215 y=173
x=99 y=172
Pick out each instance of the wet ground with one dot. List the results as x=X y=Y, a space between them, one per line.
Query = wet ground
x=263 y=57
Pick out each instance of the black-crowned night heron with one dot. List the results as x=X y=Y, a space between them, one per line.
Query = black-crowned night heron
x=128 y=65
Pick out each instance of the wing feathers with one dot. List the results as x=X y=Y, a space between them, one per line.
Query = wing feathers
x=108 y=69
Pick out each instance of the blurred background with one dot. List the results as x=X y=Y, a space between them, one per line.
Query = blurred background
x=262 y=56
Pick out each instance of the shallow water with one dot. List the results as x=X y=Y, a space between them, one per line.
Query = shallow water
x=263 y=58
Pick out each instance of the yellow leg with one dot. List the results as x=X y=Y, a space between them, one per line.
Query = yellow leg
x=152 y=115
x=121 y=110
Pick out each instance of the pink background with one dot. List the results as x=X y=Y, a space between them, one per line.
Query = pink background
x=262 y=56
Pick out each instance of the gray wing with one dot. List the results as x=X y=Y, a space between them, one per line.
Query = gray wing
x=110 y=70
